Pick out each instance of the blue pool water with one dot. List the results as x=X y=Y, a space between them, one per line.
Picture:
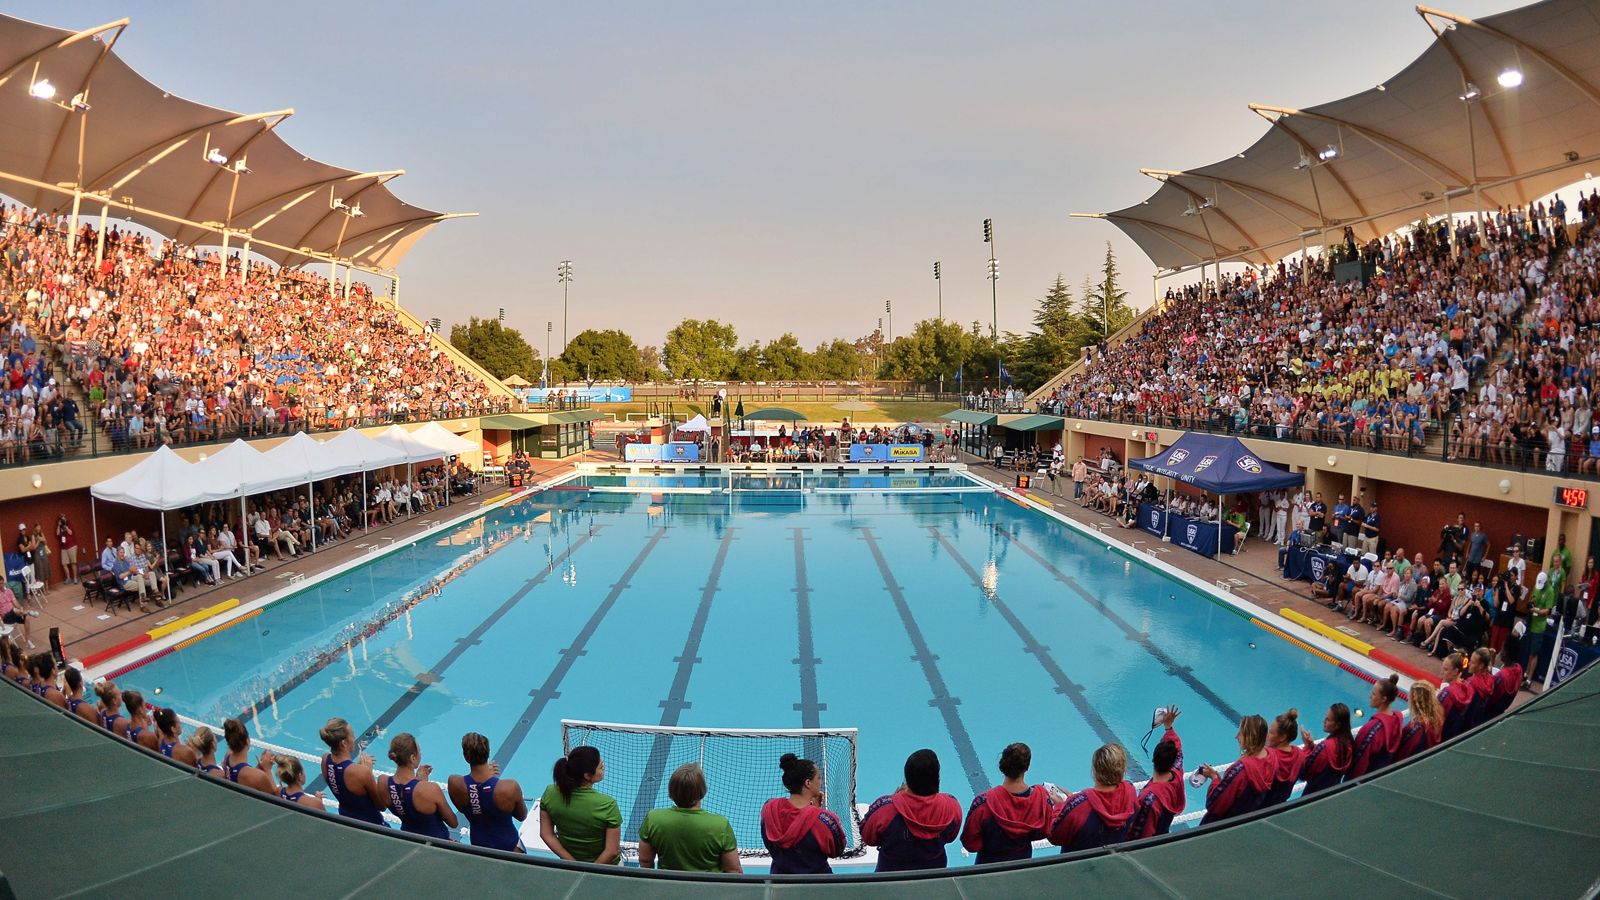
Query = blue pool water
x=938 y=618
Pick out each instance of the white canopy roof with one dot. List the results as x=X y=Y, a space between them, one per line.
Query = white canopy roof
x=242 y=470
x=696 y=424
x=441 y=439
x=145 y=150
x=1446 y=126
x=162 y=480
x=355 y=452
x=402 y=440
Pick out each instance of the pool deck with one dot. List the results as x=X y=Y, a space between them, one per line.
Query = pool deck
x=1252 y=574
x=86 y=629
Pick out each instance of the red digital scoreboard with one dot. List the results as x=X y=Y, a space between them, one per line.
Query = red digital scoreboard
x=1574 y=497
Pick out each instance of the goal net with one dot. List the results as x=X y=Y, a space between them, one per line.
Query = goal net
x=740 y=765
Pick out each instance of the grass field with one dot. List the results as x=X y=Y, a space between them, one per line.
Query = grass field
x=896 y=411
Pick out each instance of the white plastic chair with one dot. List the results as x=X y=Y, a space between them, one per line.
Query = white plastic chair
x=35 y=587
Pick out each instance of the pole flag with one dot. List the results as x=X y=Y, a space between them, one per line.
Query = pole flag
x=1005 y=374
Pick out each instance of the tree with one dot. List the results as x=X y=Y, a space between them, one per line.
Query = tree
x=650 y=362
x=1105 y=303
x=702 y=350
x=785 y=360
x=838 y=360
x=1060 y=333
x=934 y=348
x=501 y=350
x=603 y=356
x=747 y=364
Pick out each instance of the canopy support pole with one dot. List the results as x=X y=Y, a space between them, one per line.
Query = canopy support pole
x=94 y=525
x=165 y=557
x=72 y=227
x=100 y=241
x=366 y=516
x=1221 y=499
x=244 y=534
x=244 y=262
x=311 y=512
x=408 y=488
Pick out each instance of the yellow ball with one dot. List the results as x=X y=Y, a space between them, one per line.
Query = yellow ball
x=1358 y=713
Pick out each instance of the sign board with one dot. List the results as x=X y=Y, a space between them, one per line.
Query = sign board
x=595 y=394
x=642 y=453
x=885 y=453
x=681 y=451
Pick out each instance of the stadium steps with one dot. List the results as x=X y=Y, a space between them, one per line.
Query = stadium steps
x=459 y=358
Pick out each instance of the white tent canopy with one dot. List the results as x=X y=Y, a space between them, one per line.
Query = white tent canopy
x=242 y=470
x=354 y=452
x=696 y=424
x=441 y=439
x=302 y=454
x=162 y=480
x=402 y=440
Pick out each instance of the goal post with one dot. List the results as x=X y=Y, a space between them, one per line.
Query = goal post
x=740 y=765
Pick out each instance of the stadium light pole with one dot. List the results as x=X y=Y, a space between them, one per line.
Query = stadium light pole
x=994 y=300
x=548 y=327
x=564 y=275
x=938 y=280
x=888 y=311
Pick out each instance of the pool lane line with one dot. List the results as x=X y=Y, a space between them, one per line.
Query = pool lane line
x=676 y=701
x=809 y=708
x=1183 y=673
x=1064 y=686
x=942 y=701
x=550 y=690
x=462 y=645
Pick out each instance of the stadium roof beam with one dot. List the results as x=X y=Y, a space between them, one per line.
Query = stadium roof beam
x=304 y=191
x=144 y=158
x=1156 y=229
x=1572 y=78
x=1442 y=35
x=1243 y=189
x=1200 y=203
x=1278 y=117
x=118 y=26
x=81 y=95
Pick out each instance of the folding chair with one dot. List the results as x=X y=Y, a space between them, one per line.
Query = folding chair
x=34 y=587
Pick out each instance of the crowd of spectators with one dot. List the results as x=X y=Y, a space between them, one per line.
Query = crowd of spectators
x=167 y=348
x=1479 y=340
x=911 y=826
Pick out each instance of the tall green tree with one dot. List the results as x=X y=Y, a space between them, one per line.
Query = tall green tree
x=839 y=360
x=501 y=350
x=1105 y=303
x=934 y=348
x=785 y=360
x=700 y=349
x=603 y=356
x=650 y=362
x=1060 y=332
x=747 y=364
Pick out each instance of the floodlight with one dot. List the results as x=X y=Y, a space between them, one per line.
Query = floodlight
x=42 y=89
x=1471 y=93
x=1510 y=78
x=1328 y=152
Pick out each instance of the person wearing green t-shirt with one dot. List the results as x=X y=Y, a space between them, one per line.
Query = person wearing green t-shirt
x=1544 y=599
x=576 y=821
x=684 y=836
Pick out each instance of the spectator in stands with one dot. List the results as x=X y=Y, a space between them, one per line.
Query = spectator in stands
x=799 y=831
x=1003 y=822
x=1162 y=797
x=12 y=614
x=292 y=785
x=1329 y=759
x=684 y=836
x=68 y=541
x=350 y=778
x=491 y=804
x=1239 y=788
x=411 y=795
x=236 y=763
x=575 y=820
x=1098 y=815
x=1378 y=738
x=1287 y=757
x=911 y=827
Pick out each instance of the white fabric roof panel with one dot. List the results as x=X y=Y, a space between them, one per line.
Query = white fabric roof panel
x=1402 y=146
x=355 y=452
x=402 y=440
x=162 y=480
x=241 y=470
x=445 y=441
x=146 y=146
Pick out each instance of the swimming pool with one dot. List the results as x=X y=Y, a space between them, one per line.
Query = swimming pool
x=923 y=610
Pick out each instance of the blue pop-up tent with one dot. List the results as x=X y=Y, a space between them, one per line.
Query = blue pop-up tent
x=1218 y=464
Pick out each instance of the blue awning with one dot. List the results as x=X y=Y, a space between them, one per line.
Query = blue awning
x=1219 y=464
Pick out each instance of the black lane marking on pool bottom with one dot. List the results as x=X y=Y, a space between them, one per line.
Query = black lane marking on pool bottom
x=436 y=674
x=675 y=703
x=1030 y=645
x=1183 y=673
x=942 y=700
x=810 y=710
x=548 y=691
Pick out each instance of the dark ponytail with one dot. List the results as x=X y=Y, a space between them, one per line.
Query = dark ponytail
x=1388 y=688
x=572 y=770
x=1288 y=725
x=796 y=772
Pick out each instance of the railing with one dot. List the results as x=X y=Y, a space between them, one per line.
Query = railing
x=99 y=439
x=1524 y=457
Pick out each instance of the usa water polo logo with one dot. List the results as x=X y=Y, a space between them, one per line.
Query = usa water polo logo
x=1249 y=464
x=1319 y=568
x=1566 y=664
x=1155 y=518
x=1177 y=456
x=1193 y=532
x=1204 y=464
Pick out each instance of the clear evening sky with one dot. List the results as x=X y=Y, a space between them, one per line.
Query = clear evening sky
x=780 y=166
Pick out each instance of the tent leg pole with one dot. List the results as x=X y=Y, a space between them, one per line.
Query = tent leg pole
x=366 y=517
x=311 y=511
x=408 y=487
x=164 y=556
x=244 y=532
x=94 y=525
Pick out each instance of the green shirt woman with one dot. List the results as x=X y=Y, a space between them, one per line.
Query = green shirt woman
x=576 y=821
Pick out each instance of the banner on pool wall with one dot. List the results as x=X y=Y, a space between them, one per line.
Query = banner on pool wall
x=591 y=394
x=885 y=453
x=682 y=451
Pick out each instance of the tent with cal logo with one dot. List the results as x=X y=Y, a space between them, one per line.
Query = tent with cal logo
x=1219 y=465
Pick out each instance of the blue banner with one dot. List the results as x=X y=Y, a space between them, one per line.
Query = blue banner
x=642 y=452
x=885 y=453
x=682 y=451
x=595 y=394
